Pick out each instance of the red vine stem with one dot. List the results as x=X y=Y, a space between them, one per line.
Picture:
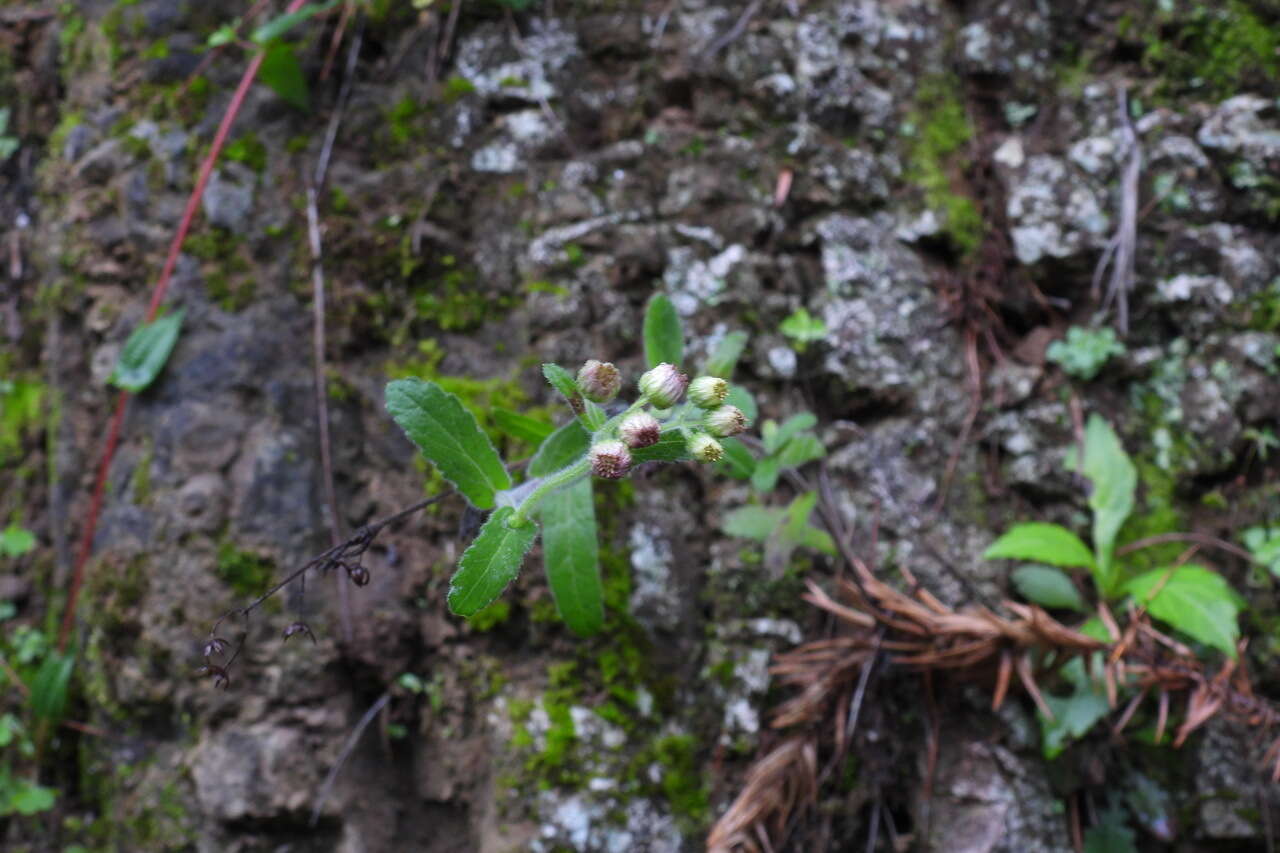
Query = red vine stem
x=157 y=298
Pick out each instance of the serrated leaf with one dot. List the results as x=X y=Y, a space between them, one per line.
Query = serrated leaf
x=802 y=448
x=49 y=687
x=281 y=72
x=563 y=447
x=765 y=477
x=737 y=461
x=741 y=397
x=671 y=447
x=570 y=554
x=448 y=435
x=521 y=426
x=490 y=563
x=1048 y=587
x=725 y=358
x=1041 y=542
x=16 y=541
x=1196 y=601
x=663 y=337
x=279 y=26
x=775 y=435
x=753 y=522
x=1114 y=480
x=145 y=353
x=561 y=380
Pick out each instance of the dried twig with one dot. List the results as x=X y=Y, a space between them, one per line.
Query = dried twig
x=347 y=749
x=1120 y=253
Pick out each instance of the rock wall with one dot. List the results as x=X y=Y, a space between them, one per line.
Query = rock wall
x=932 y=181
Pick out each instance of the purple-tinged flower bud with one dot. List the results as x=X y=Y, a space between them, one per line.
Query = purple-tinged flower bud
x=726 y=420
x=707 y=392
x=640 y=429
x=663 y=385
x=704 y=448
x=600 y=381
x=610 y=459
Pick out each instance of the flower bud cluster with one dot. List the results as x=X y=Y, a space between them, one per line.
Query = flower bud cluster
x=719 y=420
x=664 y=385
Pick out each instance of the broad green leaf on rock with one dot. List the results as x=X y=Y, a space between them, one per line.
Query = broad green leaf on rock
x=1040 y=542
x=1262 y=542
x=775 y=436
x=16 y=541
x=49 y=687
x=741 y=397
x=1196 y=601
x=663 y=337
x=725 y=357
x=490 y=563
x=802 y=448
x=563 y=447
x=521 y=426
x=1048 y=587
x=562 y=381
x=570 y=554
x=800 y=531
x=282 y=73
x=1114 y=480
x=765 y=477
x=279 y=26
x=671 y=447
x=753 y=522
x=738 y=461
x=145 y=353
x=27 y=797
x=1073 y=715
x=448 y=435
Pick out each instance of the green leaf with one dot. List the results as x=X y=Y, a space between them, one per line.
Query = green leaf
x=492 y=562
x=49 y=687
x=448 y=435
x=562 y=381
x=1111 y=834
x=593 y=416
x=570 y=553
x=741 y=397
x=1196 y=601
x=1262 y=542
x=802 y=448
x=765 y=477
x=279 y=26
x=726 y=355
x=671 y=447
x=1073 y=715
x=224 y=34
x=521 y=426
x=776 y=436
x=753 y=522
x=1048 y=587
x=663 y=338
x=282 y=73
x=737 y=461
x=803 y=328
x=563 y=447
x=146 y=352
x=26 y=797
x=800 y=531
x=16 y=541
x=1042 y=543
x=1114 y=480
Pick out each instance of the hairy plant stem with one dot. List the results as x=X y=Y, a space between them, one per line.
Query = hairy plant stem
x=566 y=476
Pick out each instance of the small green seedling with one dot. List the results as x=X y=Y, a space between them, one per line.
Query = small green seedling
x=803 y=329
x=1191 y=598
x=664 y=424
x=1083 y=352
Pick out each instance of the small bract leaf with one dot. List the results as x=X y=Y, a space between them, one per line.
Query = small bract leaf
x=1114 y=480
x=145 y=353
x=1040 y=542
x=448 y=435
x=570 y=553
x=663 y=337
x=725 y=357
x=492 y=562
x=279 y=26
x=561 y=380
x=1048 y=587
x=281 y=72
x=1196 y=601
x=49 y=687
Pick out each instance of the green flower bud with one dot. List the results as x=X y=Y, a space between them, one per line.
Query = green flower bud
x=663 y=385
x=704 y=448
x=726 y=420
x=707 y=392
x=600 y=381
x=640 y=429
x=610 y=459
